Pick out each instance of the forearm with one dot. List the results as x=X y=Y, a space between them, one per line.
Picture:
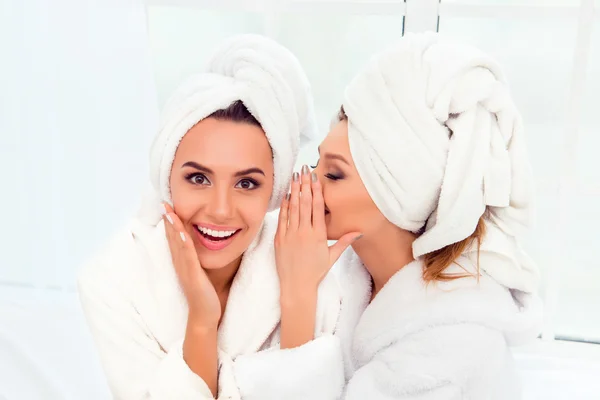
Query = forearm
x=298 y=314
x=200 y=351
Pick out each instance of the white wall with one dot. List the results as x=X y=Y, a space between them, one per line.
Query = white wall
x=537 y=56
x=77 y=112
x=80 y=81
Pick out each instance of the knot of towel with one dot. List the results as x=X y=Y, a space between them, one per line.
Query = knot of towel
x=436 y=140
x=271 y=83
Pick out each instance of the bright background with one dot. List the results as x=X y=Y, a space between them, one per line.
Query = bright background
x=82 y=81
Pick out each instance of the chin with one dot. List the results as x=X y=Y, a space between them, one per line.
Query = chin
x=216 y=261
x=213 y=260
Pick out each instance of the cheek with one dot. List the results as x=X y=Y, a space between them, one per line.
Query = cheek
x=185 y=203
x=351 y=210
x=252 y=208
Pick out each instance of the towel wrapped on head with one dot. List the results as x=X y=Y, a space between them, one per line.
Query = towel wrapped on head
x=271 y=83
x=437 y=140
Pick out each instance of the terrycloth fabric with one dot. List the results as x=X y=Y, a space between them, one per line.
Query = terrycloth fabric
x=436 y=139
x=445 y=340
x=138 y=314
x=270 y=82
x=130 y=293
x=442 y=341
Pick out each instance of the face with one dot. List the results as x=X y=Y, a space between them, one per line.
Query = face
x=221 y=182
x=348 y=206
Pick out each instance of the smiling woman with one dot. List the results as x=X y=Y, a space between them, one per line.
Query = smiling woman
x=220 y=190
x=169 y=301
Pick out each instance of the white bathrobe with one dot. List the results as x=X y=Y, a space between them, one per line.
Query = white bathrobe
x=442 y=341
x=448 y=340
x=130 y=292
x=137 y=314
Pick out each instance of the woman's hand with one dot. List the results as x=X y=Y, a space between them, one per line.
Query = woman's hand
x=303 y=256
x=301 y=250
x=203 y=301
x=200 y=342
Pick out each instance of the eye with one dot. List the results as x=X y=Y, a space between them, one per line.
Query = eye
x=333 y=177
x=316 y=165
x=197 y=179
x=247 y=184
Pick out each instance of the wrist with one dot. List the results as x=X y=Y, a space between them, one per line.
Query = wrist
x=294 y=298
x=298 y=315
x=198 y=325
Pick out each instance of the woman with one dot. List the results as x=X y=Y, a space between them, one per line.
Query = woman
x=182 y=306
x=426 y=160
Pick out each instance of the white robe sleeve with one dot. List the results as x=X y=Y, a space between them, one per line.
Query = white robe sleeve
x=440 y=363
x=136 y=366
x=312 y=371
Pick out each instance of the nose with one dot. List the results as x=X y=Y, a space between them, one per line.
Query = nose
x=220 y=205
x=321 y=175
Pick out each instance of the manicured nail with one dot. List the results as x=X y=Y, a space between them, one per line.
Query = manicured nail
x=169 y=219
x=296 y=177
x=287 y=196
x=314 y=177
x=358 y=237
x=182 y=236
x=305 y=170
x=163 y=209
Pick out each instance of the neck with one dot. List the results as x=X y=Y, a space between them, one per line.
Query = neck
x=222 y=278
x=385 y=253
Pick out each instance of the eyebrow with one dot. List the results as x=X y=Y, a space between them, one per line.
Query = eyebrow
x=333 y=156
x=243 y=172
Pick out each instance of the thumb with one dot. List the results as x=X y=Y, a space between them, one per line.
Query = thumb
x=336 y=250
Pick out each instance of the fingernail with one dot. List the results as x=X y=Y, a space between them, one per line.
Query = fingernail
x=169 y=219
x=163 y=209
x=305 y=170
x=287 y=196
x=314 y=177
x=182 y=236
x=296 y=177
x=358 y=237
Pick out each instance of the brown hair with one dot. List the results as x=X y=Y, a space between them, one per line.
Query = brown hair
x=437 y=261
x=236 y=112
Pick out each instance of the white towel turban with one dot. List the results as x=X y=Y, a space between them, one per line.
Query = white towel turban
x=271 y=83
x=436 y=139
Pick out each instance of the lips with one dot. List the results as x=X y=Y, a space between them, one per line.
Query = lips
x=215 y=238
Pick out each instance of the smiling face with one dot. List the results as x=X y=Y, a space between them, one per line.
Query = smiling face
x=349 y=208
x=221 y=183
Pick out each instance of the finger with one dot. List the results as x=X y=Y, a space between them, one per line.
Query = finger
x=283 y=216
x=175 y=237
x=187 y=246
x=168 y=224
x=305 y=199
x=318 y=207
x=168 y=208
x=336 y=250
x=179 y=233
x=294 y=208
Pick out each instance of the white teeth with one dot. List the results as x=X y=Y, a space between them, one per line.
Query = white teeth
x=214 y=233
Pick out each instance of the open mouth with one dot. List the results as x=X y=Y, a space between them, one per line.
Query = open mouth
x=215 y=235
x=214 y=239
